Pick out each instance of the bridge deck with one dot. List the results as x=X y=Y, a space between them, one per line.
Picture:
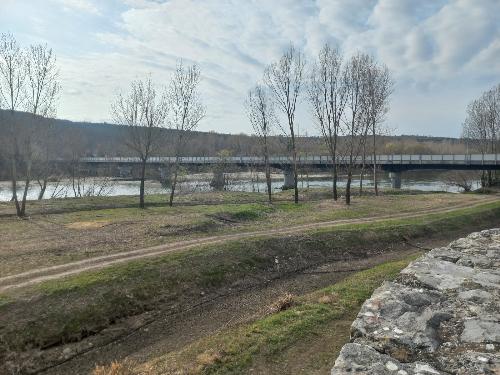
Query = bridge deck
x=471 y=161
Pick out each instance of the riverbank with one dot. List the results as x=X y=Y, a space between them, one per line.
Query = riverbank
x=238 y=182
x=54 y=322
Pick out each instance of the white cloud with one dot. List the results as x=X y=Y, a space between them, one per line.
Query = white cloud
x=436 y=49
x=79 y=5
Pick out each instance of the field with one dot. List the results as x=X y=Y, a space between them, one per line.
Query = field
x=216 y=305
x=66 y=230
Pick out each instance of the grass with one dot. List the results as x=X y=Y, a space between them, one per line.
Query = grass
x=234 y=351
x=66 y=310
x=73 y=229
x=443 y=221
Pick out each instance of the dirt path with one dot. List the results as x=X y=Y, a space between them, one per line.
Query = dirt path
x=39 y=275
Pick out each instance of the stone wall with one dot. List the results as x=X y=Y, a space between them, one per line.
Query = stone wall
x=440 y=316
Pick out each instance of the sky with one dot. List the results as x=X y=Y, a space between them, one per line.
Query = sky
x=441 y=53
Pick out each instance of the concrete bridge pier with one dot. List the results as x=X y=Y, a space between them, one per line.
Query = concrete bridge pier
x=288 y=179
x=125 y=171
x=164 y=173
x=218 y=180
x=395 y=179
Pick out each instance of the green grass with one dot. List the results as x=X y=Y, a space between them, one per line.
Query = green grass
x=126 y=206
x=443 y=221
x=236 y=349
x=3 y=300
x=68 y=309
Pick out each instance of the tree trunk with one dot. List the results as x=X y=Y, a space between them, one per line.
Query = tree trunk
x=335 y=167
x=295 y=179
x=43 y=187
x=173 y=185
x=268 y=176
x=348 y=187
x=258 y=182
x=335 y=178
x=143 y=177
x=349 y=177
x=375 y=180
x=363 y=166
x=26 y=187
x=361 y=176
x=14 y=187
x=295 y=172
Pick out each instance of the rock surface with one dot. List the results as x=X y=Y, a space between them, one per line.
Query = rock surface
x=440 y=316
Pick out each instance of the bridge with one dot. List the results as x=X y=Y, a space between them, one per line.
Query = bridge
x=395 y=164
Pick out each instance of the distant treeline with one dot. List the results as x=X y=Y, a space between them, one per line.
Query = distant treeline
x=103 y=139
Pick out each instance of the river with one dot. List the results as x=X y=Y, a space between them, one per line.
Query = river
x=414 y=180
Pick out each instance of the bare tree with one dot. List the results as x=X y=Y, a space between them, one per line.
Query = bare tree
x=12 y=75
x=143 y=111
x=378 y=88
x=462 y=179
x=284 y=78
x=491 y=99
x=186 y=111
x=260 y=110
x=355 y=129
x=29 y=82
x=42 y=89
x=328 y=99
x=363 y=141
x=481 y=127
x=43 y=169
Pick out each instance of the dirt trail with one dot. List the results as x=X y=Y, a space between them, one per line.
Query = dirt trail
x=39 y=275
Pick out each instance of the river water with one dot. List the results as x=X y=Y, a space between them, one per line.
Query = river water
x=418 y=180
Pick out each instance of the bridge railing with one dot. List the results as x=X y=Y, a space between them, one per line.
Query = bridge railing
x=408 y=159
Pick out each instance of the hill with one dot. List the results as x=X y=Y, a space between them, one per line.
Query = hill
x=101 y=139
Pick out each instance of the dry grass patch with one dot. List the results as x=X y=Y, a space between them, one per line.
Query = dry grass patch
x=328 y=298
x=207 y=359
x=115 y=368
x=283 y=303
x=82 y=225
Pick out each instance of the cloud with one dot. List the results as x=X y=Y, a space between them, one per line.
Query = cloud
x=85 y=6
x=436 y=49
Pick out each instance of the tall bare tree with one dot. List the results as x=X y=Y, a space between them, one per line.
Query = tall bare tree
x=13 y=76
x=481 y=127
x=328 y=99
x=42 y=89
x=186 y=111
x=29 y=81
x=354 y=129
x=260 y=110
x=143 y=111
x=284 y=78
x=44 y=168
x=377 y=90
